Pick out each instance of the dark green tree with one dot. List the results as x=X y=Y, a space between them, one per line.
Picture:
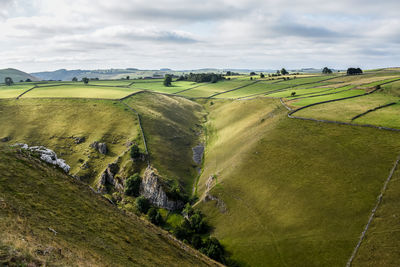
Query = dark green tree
x=354 y=71
x=142 y=204
x=213 y=249
x=154 y=216
x=132 y=185
x=284 y=71
x=252 y=73
x=228 y=73
x=127 y=77
x=135 y=152
x=293 y=94
x=74 y=79
x=8 y=81
x=262 y=75
x=214 y=79
x=326 y=70
x=28 y=80
x=167 y=80
x=85 y=80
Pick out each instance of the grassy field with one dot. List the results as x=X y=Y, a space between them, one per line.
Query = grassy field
x=392 y=88
x=213 y=88
x=308 y=92
x=159 y=86
x=54 y=122
x=172 y=126
x=345 y=110
x=311 y=100
x=297 y=193
x=387 y=117
x=80 y=91
x=35 y=197
x=381 y=244
x=14 y=90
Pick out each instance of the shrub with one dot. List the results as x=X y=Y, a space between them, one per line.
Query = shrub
x=132 y=185
x=168 y=80
x=142 y=204
x=8 y=81
x=213 y=249
x=135 y=153
x=154 y=216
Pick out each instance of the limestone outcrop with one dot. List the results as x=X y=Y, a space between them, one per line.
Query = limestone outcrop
x=152 y=189
x=47 y=155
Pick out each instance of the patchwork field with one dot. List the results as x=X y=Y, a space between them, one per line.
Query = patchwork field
x=275 y=191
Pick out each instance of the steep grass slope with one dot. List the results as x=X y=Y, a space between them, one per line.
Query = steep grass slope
x=292 y=192
x=381 y=244
x=172 y=126
x=48 y=218
x=56 y=123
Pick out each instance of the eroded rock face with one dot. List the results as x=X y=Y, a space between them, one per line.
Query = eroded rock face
x=151 y=188
x=198 y=154
x=47 y=155
x=108 y=177
x=101 y=147
x=211 y=182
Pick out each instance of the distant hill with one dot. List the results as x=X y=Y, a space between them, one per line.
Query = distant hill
x=16 y=75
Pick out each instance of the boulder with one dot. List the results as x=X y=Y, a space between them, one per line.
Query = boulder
x=5 y=139
x=101 y=147
x=47 y=155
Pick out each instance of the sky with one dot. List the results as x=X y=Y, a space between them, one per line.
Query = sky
x=40 y=35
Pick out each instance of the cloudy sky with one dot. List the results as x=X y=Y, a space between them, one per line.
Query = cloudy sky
x=39 y=35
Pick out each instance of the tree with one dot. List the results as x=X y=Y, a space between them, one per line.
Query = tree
x=284 y=71
x=127 y=77
x=293 y=94
x=252 y=73
x=354 y=71
x=8 y=81
x=85 y=80
x=132 y=185
x=214 y=79
x=228 y=73
x=28 y=80
x=278 y=72
x=74 y=79
x=142 y=204
x=326 y=70
x=213 y=249
x=154 y=216
x=251 y=78
x=135 y=153
x=262 y=75
x=167 y=80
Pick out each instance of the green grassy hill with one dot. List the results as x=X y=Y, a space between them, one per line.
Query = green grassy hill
x=48 y=218
x=172 y=126
x=56 y=123
x=294 y=193
x=16 y=75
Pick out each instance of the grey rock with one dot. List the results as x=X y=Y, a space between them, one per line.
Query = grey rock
x=198 y=154
x=79 y=140
x=47 y=155
x=101 y=147
x=5 y=139
x=151 y=188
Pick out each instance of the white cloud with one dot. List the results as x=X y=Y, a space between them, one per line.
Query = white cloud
x=50 y=34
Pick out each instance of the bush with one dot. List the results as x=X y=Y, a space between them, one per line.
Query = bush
x=8 y=81
x=142 y=204
x=213 y=249
x=354 y=71
x=154 y=216
x=135 y=152
x=85 y=80
x=132 y=185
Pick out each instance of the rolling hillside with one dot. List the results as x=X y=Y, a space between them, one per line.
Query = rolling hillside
x=16 y=75
x=48 y=218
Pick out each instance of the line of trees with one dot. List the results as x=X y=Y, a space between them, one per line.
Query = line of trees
x=354 y=71
x=201 y=77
